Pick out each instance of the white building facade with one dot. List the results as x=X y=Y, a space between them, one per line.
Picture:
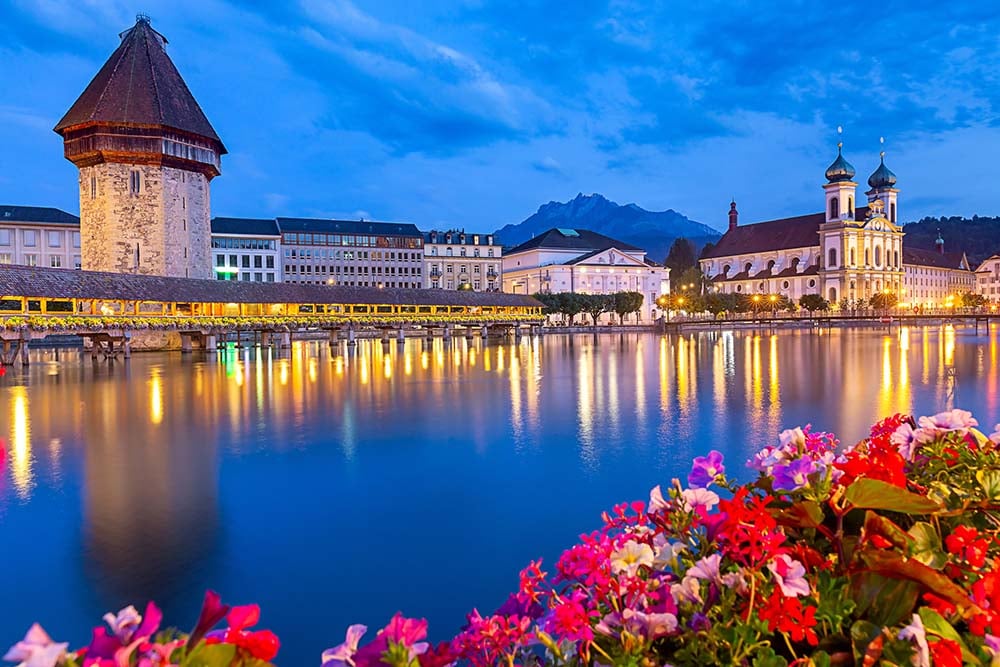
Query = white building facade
x=454 y=259
x=988 y=279
x=39 y=236
x=351 y=253
x=846 y=253
x=246 y=249
x=579 y=260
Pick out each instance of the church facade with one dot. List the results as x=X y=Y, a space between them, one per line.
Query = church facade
x=848 y=253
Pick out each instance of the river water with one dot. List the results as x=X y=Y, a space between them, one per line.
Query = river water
x=340 y=486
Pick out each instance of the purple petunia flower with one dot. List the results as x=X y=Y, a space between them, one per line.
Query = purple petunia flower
x=343 y=655
x=705 y=469
x=790 y=575
x=794 y=475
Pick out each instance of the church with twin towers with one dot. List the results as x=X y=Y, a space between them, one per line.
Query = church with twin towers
x=847 y=253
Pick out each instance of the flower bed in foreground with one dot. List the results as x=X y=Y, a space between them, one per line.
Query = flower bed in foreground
x=886 y=552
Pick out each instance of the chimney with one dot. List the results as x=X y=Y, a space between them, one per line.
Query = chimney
x=734 y=215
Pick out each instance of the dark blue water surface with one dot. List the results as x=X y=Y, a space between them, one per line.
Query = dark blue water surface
x=339 y=487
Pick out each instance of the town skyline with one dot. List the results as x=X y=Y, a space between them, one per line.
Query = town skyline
x=412 y=131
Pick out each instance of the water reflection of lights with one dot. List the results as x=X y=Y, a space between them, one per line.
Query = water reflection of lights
x=20 y=436
x=387 y=367
x=283 y=372
x=156 y=397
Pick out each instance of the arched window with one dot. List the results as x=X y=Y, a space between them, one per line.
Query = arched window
x=834 y=208
x=833 y=295
x=770 y=266
x=850 y=206
x=832 y=260
x=868 y=259
x=854 y=259
x=749 y=265
x=725 y=270
x=892 y=212
x=795 y=264
x=878 y=256
x=895 y=257
x=434 y=251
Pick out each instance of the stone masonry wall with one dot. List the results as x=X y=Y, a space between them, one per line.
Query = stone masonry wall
x=167 y=221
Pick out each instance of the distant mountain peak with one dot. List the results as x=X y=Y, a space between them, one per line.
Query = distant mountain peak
x=654 y=231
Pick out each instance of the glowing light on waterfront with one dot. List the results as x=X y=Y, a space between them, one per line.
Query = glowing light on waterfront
x=313 y=369
x=425 y=360
x=283 y=372
x=20 y=437
x=387 y=367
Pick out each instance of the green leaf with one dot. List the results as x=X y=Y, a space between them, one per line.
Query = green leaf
x=819 y=659
x=766 y=657
x=878 y=495
x=990 y=481
x=936 y=624
x=210 y=655
x=894 y=565
x=803 y=514
x=883 y=599
x=865 y=637
x=926 y=545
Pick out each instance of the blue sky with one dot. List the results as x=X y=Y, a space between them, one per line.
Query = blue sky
x=472 y=113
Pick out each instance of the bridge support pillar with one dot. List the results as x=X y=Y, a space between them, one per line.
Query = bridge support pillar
x=446 y=333
x=485 y=332
x=468 y=333
x=517 y=331
x=400 y=336
x=385 y=336
x=334 y=337
x=127 y=344
x=266 y=339
x=351 y=337
x=185 y=344
x=429 y=333
x=285 y=340
x=211 y=343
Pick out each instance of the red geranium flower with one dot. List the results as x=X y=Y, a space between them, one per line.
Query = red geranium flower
x=789 y=615
x=946 y=653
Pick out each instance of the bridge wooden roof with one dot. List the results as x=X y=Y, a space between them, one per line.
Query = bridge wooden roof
x=30 y=281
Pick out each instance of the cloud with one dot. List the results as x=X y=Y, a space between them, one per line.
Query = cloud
x=547 y=164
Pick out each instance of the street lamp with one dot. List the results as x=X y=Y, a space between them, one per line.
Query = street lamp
x=774 y=300
x=756 y=302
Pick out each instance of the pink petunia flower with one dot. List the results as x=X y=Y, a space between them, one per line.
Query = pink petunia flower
x=789 y=574
x=36 y=649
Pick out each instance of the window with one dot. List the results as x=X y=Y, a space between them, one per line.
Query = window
x=850 y=206
x=76 y=239
x=93 y=187
x=76 y=262
x=4 y=237
x=834 y=208
x=245 y=276
x=892 y=212
x=448 y=252
x=5 y=258
x=55 y=261
x=853 y=258
x=258 y=262
x=258 y=276
x=867 y=257
x=31 y=260
x=832 y=260
x=54 y=239
x=270 y=261
x=246 y=261
x=134 y=182
x=270 y=277
x=878 y=256
x=220 y=260
x=30 y=237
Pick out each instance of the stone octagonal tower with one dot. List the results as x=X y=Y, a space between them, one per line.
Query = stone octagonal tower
x=146 y=154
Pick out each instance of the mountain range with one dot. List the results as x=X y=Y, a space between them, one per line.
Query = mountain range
x=654 y=231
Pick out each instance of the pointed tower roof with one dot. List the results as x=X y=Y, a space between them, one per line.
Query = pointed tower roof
x=139 y=85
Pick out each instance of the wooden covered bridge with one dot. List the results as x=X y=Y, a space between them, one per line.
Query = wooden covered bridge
x=110 y=309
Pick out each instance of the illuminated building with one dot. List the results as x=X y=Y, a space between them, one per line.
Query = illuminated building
x=246 y=249
x=453 y=259
x=146 y=154
x=846 y=253
x=39 y=236
x=579 y=260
